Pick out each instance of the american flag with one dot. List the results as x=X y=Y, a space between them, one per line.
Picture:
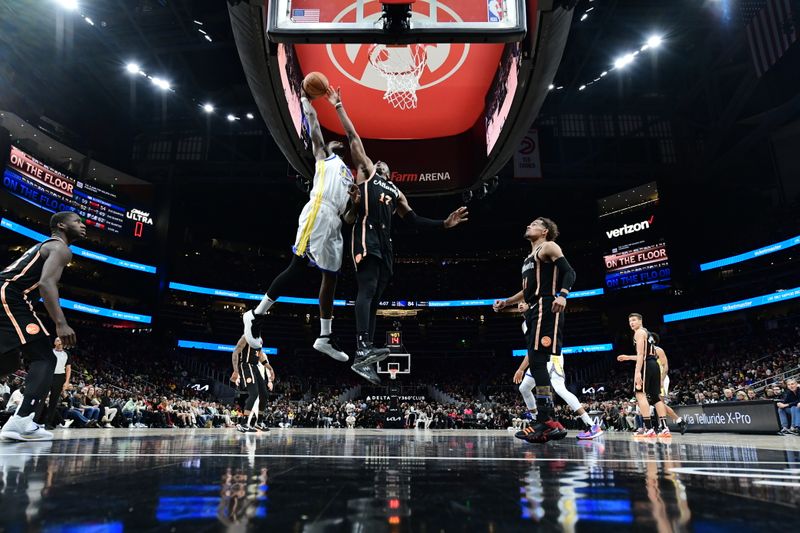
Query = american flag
x=305 y=15
x=770 y=34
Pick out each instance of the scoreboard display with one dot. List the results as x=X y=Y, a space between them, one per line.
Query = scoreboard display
x=634 y=248
x=51 y=190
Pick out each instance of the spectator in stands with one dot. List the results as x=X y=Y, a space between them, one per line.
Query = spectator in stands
x=751 y=395
x=741 y=396
x=789 y=408
x=728 y=395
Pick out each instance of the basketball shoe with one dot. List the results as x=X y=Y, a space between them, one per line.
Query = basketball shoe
x=24 y=429
x=546 y=431
x=252 y=328
x=590 y=433
x=328 y=345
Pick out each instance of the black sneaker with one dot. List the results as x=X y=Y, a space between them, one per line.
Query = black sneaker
x=367 y=354
x=682 y=425
x=367 y=372
x=252 y=328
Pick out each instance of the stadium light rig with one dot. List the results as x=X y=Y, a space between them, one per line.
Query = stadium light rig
x=208 y=108
x=621 y=62
x=70 y=5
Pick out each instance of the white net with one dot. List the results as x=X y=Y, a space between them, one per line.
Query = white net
x=401 y=67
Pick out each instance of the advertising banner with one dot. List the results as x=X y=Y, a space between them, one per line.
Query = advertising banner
x=731 y=417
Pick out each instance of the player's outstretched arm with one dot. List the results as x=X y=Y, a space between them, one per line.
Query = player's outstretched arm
x=57 y=256
x=404 y=210
x=315 y=132
x=357 y=152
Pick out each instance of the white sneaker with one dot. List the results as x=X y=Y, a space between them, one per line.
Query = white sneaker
x=107 y=425
x=248 y=318
x=24 y=429
x=327 y=345
x=68 y=423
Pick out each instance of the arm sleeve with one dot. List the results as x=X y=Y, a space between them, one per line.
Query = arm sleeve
x=419 y=222
x=566 y=274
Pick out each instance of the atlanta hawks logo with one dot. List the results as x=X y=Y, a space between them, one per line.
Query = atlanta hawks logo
x=546 y=342
x=443 y=60
x=32 y=329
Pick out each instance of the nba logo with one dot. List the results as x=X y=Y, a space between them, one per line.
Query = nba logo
x=496 y=11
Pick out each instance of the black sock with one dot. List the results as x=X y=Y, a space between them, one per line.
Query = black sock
x=648 y=424
x=662 y=422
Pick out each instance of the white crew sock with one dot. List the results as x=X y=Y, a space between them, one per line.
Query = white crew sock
x=587 y=419
x=325 y=326
x=264 y=305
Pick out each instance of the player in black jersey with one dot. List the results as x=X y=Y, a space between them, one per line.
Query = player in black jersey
x=245 y=361
x=22 y=330
x=547 y=278
x=647 y=380
x=371 y=243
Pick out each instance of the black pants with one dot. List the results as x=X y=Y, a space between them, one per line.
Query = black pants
x=41 y=364
x=256 y=386
x=47 y=415
x=373 y=275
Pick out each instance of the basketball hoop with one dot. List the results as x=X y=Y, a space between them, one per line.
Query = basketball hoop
x=401 y=67
x=394 y=368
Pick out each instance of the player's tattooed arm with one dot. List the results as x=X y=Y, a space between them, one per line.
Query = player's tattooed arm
x=235 y=358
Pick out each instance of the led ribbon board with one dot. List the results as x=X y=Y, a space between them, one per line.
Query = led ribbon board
x=102 y=311
x=197 y=345
x=752 y=254
x=314 y=301
x=88 y=254
x=730 y=307
x=566 y=350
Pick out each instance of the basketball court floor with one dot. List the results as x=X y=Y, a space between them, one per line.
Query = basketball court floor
x=395 y=480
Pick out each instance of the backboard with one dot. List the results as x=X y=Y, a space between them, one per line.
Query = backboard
x=364 y=21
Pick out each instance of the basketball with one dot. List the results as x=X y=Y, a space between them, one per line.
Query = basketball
x=315 y=84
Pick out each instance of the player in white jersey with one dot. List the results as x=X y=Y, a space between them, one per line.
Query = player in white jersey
x=319 y=238
x=555 y=367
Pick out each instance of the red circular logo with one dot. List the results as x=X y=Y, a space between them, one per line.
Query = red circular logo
x=546 y=342
x=32 y=329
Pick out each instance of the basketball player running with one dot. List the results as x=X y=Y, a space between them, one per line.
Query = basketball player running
x=555 y=368
x=245 y=361
x=547 y=278
x=372 y=242
x=663 y=365
x=647 y=380
x=319 y=239
x=20 y=327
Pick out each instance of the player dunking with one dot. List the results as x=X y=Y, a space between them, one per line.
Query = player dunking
x=319 y=239
x=663 y=365
x=245 y=360
x=21 y=329
x=647 y=380
x=547 y=278
x=372 y=242
x=555 y=369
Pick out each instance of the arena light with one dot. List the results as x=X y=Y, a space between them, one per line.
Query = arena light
x=71 y=5
x=232 y=118
x=250 y=116
x=551 y=87
x=623 y=61
x=208 y=108
x=132 y=68
x=89 y=21
x=161 y=83
x=654 y=41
